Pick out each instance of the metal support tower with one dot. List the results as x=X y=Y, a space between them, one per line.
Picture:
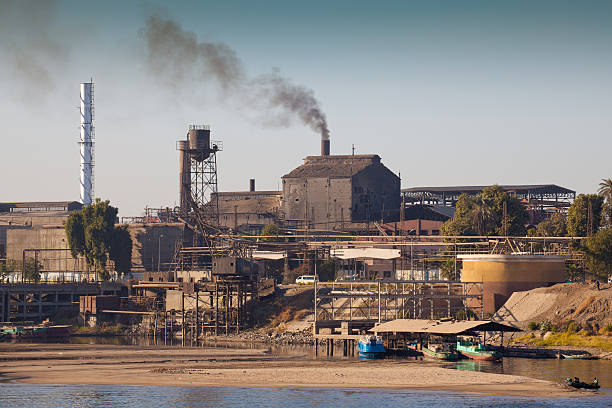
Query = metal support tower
x=198 y=179
x=204 y=186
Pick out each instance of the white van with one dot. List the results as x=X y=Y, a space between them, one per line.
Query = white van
x=306 y=280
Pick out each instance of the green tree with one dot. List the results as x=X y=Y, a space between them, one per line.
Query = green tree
x=516 y=214
x=33 y=269
x=578 y=215
x=92 y=233
x=598 y=249
x=605 y=190
x=269 y=233
x=450 y=269
x=484 y=214
x=120 y=250
x=7 y=267
x=460 y=224
x=555 y=226
x=327 y=270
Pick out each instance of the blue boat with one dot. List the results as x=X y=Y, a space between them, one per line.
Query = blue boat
x=371 y=346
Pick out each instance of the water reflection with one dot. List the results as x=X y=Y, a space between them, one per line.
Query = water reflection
x=545 y=369
x=28 y=395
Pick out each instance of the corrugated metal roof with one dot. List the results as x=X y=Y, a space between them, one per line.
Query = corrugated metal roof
x=546 y=188
x=451 y=327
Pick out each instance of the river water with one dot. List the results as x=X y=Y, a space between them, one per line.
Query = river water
x=31 y=395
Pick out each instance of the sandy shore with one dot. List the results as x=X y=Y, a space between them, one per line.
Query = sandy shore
x=134 y=365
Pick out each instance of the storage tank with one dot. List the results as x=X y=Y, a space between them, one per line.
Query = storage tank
x=199 y=142
x=502 y=275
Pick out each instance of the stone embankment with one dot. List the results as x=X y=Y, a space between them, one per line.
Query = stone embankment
x=304 y=337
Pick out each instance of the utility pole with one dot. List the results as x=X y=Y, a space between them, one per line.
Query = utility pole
x=505 y=218
x=159 y=237
x=590 y=226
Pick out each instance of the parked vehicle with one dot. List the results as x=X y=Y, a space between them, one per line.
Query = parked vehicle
x=306 y=280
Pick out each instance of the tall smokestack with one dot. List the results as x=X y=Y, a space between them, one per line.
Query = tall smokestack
x=252 y=185
x=87 y=144
x=184 y=175
x=324 y=147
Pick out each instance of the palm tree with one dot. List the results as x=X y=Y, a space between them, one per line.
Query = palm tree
x=482 y=215
x=605 y=190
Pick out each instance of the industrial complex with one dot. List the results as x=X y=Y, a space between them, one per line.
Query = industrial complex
x=202 y=267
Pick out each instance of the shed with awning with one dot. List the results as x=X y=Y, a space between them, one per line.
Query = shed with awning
x=441 y=327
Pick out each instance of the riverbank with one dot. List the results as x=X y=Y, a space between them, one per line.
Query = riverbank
x=129 y=365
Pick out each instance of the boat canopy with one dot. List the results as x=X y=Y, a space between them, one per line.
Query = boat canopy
x=442 y=327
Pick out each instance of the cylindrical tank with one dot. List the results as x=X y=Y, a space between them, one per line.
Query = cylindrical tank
x=199 y=142
x=184 y=175
x=324 y=147
x=501 y=275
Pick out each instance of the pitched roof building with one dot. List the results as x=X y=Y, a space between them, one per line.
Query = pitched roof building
x=327 y=192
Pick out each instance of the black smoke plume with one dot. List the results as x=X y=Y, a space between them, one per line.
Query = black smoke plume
x=178 y=57
x=28 y=47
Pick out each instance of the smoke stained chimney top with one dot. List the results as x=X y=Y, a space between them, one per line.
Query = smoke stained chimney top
x=252 y=185
x=324 y=147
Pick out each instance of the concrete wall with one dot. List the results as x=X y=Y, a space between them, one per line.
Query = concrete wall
x=324 y=202
x=150 y=243
x=376 y=194
x=154 y=244
x=503 y=275
x=248 y=211
x=27 y=220
x=43 y=238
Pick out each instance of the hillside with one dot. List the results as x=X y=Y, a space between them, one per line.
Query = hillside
x=560 y=304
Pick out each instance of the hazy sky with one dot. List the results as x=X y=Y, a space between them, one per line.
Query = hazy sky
x=447 y=93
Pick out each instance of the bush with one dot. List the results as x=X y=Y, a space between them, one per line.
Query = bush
x=533 y=326
x=546 y=326
x=606 y=330
x=465 y=314
x=572 y=327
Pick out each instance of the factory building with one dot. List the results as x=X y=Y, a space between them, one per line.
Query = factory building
x=540 y=200
x=248 y=211
x=332 y=192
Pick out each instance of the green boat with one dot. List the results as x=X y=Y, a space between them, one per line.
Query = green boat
x=22 y=332
x=477 y=351
x=41 y=333
x=440 y=352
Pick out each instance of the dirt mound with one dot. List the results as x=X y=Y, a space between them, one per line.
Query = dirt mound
x=289 y=310
x=560 y=304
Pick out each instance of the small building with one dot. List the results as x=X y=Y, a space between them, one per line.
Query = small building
x=329 y=192
x=31 y=215
x=247 y=211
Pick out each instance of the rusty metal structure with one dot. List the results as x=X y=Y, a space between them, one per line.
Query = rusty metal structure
x=198 y=173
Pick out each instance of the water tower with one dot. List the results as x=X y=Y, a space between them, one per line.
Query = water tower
x=198 y=173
